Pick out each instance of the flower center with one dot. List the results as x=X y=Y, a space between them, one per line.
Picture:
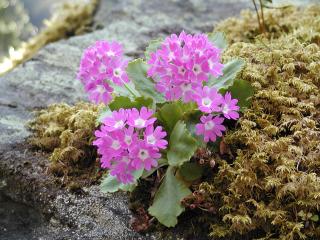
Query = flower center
x=100 y=89
x=185 y=87
x=206 y=102
x=143 y=154
x=181 y=70
x=225 y=109
x=171 y=56
x=117 y=72
x=209 y=125
x=102 y=69
x=151 y=139
x=115 y=144
x=139 y=122
x=128 y=139
x=119 y=124
x=110 y=53
x=125 y=159
x=196 y=69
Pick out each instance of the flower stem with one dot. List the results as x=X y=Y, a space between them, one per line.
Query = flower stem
x=134 y=93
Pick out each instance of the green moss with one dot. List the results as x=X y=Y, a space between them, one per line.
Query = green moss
x=67 y=133
x=271 y=189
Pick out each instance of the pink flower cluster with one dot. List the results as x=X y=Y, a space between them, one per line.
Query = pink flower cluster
x=214 y=104
x=182 y=64
x=181 y=67
x=129 y=141
x=100 y=65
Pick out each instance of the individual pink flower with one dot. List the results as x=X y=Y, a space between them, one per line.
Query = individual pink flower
x=210 y=127
x=140 y=119
x=109 y=144
x=144 y=156
x=122 y=170
x=199 y=69
x=116 y=121
x=100 y=93
x=154 y=137
x=130 y=137
x=208 y=100
x=229 y=107
x=118 y=72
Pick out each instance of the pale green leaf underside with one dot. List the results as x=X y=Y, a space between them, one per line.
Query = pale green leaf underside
x=218 y=39
x=230 y=71
x=137 y=72
x=152 y=47
x=110 y=183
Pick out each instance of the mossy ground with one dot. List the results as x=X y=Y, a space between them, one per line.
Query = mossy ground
x=67 y=133
x=271 y=189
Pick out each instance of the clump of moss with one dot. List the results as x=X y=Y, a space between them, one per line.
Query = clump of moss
x=278 y=23
x=67 y=133
x=271 y=189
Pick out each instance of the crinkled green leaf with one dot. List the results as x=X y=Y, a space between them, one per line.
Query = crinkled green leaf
x=110 y=183
x=137 y=72
x=152 y=47
x=181 y=145
x=191 y=171
x=126 y=102
x=166 y=205
x=218 y=39
x=170 y=113
x=243 y=91
x=230 y=71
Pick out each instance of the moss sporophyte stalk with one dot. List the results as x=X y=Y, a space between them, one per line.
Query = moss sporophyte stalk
x=231 y=134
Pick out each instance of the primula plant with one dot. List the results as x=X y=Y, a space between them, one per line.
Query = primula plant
x=160 y=110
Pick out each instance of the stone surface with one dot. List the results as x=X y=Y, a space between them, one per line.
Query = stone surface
x=49 y=77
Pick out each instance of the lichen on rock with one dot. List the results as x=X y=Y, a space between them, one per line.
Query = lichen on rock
x=271 y=188
x=67 y=133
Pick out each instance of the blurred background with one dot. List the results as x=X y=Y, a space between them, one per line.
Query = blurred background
x=21 y=20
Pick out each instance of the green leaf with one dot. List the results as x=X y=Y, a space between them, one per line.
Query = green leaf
x=230 y=71
x=169 y=114
x=191 y=171
x=126 y=102
x=243 y=91
x=137 y=72
x=110 y=183
x=218 y=39
x=127 y=90
x=181 y=145
x=152 y=47
x=167 y=206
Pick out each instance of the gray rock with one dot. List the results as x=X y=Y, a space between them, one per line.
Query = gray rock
x=49 y=77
